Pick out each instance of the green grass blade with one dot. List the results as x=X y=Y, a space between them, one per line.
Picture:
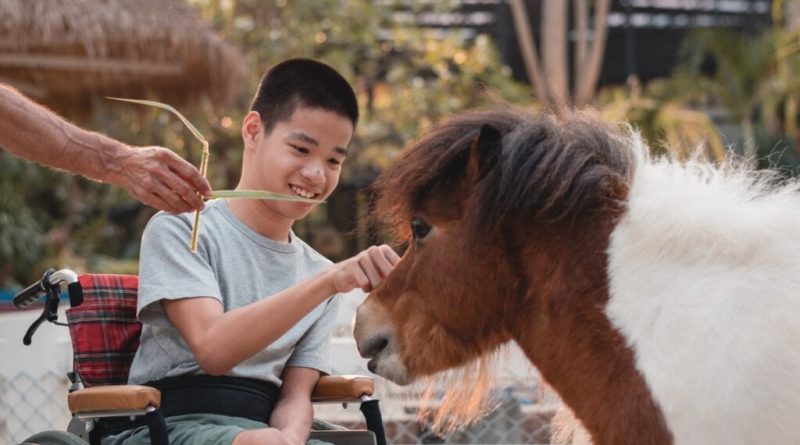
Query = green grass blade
x=169 y=108
x=260 y=194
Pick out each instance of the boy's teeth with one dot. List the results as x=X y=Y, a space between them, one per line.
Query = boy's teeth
x=303 y=193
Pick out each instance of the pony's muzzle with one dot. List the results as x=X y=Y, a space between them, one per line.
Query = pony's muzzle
x=372 y=330
x=372 y=346
x=375 y=339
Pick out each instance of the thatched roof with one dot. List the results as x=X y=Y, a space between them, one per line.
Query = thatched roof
x=64 y=52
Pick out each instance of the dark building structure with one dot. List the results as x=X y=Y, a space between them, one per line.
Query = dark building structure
x=644 y=36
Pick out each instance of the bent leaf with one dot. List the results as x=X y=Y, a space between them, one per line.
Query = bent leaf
x=203 y=159
x=169 y=108
x=260 y=194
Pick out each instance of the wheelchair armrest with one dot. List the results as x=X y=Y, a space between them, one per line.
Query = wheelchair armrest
x=342 y=388
x=113 y=398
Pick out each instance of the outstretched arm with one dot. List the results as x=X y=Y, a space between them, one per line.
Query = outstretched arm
x=220 y=340
x=154 y=175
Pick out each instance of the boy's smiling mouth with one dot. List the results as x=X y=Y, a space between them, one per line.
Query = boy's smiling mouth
x=303 y=193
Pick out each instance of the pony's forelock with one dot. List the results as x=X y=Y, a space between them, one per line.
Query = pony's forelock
x=557 y=170
x=551 y=169
x=436 y=159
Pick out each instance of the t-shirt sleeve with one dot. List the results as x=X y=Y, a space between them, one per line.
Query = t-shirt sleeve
x=313 y=349
x=169 y=270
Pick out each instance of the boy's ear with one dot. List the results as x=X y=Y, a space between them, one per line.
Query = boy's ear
x=251 y=129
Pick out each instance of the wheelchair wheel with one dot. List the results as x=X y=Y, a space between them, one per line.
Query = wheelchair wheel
x=55 y=438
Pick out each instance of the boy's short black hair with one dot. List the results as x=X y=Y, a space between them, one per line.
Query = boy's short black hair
x=305 y=82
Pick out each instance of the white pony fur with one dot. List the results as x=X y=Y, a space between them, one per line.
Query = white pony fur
x=704 y=272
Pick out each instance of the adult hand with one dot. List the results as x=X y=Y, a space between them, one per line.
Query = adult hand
x=159 y=178
x=366 y=270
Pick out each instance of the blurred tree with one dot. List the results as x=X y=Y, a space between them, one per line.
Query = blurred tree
x=549 y=74
x=659 y=111
x=741 y=82
x=407 y=76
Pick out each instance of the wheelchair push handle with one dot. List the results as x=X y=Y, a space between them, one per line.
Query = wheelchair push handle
x=50 y=285
x=28 y=296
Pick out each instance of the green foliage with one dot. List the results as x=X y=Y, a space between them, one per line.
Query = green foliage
x=47 y=215
x=669 y=126
x=744 y=65
x=20 y=233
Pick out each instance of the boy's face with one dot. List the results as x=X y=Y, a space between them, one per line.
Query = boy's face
x=301 y=156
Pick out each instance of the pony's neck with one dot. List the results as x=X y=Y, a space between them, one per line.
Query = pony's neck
x=577 y=350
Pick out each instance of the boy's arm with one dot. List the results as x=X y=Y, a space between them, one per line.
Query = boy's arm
x=293 y=412
x=220 y=340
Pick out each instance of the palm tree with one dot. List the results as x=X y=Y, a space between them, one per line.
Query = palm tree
x=745 y=68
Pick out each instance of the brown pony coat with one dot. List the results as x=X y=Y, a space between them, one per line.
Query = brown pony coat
x=520 y=209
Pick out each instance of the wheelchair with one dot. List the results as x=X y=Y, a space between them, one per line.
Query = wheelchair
x=105 y=335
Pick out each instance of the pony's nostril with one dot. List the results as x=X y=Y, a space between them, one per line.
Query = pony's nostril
x=373 y=346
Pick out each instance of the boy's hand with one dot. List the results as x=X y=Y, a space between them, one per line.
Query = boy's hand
x=366 y=270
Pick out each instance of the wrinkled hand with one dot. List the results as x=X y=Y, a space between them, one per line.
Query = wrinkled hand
x=366 y=270
x=160 y=178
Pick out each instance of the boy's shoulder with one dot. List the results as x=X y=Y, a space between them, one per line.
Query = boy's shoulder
x=169 y=228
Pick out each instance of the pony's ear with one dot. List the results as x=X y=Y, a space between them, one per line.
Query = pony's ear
x=483 y=153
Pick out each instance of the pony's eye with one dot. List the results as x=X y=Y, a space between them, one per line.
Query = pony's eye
x=419 y=229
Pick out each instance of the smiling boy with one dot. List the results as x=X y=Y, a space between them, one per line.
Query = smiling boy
x=237 y=334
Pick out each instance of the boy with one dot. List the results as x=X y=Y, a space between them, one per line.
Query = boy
x=252 y=310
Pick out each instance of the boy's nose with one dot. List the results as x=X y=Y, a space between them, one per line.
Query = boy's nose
x=313 y=173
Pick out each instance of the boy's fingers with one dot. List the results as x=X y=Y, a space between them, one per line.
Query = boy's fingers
x=383 y=264
x=360 y=277
x=367 y=265
x=390 y=254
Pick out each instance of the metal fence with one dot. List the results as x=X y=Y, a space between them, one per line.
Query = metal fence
x=512 y=421
x=30 y=404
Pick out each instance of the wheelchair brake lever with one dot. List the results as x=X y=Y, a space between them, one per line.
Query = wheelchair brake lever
x=50 y=310
x=33 y=327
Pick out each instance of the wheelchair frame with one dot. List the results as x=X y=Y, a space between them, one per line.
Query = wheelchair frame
x=89 y=405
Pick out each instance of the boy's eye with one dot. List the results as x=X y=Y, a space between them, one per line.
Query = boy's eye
x=299 y=149
x=334 y=161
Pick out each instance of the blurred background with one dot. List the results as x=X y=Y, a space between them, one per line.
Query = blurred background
x=707 y=78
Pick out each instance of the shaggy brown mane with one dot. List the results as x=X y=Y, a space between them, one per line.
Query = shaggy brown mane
x=437 y=157
x=526 y=178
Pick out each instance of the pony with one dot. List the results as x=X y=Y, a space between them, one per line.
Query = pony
x=659 y=298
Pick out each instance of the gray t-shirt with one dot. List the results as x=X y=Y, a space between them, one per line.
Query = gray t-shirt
x=236 y=266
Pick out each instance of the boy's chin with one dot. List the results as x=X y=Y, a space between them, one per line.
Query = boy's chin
x=300 y=211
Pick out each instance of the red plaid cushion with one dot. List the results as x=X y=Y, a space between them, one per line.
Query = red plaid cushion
x=104 y=329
